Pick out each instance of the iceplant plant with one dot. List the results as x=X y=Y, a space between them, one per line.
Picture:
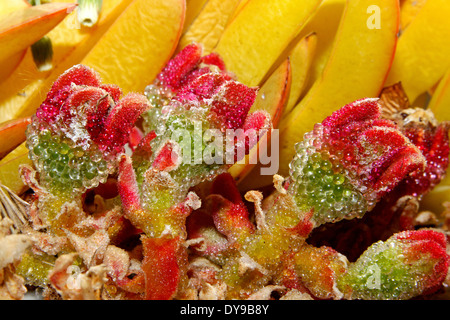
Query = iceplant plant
x=399 y=207
x=340 y=171
x=191 y=92
x=75 y=138
x=374 y=157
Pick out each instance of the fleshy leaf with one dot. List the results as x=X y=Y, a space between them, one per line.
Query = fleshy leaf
x=161 y=268
x=79 y=129
x=408 y=264
x=346 y=164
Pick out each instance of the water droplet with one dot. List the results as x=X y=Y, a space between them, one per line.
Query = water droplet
x=64 y=148
x=78 y=152
x=338 y=205
x=74 y=174
x=339 y=179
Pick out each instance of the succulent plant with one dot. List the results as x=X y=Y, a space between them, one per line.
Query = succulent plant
x=79 y=130
x=154 y=183
x=348 y=162
x=75 y=139
x=175 y=224
x=341 y=170
x=406 y=265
